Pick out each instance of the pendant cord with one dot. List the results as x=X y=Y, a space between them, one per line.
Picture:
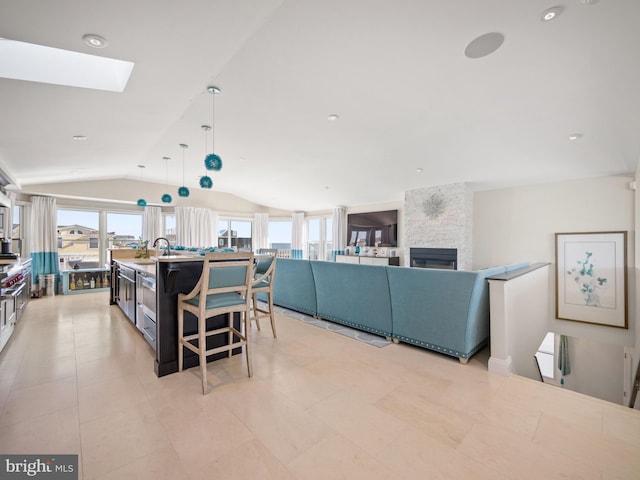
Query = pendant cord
x=206 y=149
x=213 y=113
x=184 y=147
x=166 y=171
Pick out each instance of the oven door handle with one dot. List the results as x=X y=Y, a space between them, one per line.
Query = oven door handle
x=148 y=282
x=123 y=276
x=12 y=291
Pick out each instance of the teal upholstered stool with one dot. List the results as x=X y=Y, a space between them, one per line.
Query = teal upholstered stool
x=224 y=287
x=263 y=284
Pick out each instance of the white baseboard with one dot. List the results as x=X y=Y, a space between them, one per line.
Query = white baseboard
x=500 y=366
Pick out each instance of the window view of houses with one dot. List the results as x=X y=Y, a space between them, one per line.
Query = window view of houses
x=82 y=245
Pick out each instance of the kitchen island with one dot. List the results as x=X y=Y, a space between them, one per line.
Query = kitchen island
x=153 y=291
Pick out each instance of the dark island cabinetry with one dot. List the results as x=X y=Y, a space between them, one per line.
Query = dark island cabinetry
x=172 y=276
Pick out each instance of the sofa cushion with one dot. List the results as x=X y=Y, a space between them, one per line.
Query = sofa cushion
x=354 y=295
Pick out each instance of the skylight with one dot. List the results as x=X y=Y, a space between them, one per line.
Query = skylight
x=37 y=63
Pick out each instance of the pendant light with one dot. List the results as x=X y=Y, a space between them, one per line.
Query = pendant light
x=213 y=161
x=183 y=191
x=206 y=181
x=141 y=201
x=166 y=198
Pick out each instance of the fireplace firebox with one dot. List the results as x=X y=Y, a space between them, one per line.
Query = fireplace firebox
x=444 y=258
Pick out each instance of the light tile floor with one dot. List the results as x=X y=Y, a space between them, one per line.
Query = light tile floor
x=78 y=378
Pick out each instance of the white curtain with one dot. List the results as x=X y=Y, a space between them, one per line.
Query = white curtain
x=297 y=235
x=44 y=237
x=152 y=224
x=196 y=227
x=261 y=231
x=7 y=225
x=339 y=237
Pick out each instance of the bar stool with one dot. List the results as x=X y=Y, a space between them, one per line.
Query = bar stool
x=263 y=283
x=224 y=287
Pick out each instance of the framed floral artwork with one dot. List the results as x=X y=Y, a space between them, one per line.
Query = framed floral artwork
x=591 y=278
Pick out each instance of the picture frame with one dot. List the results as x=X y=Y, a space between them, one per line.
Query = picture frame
x=591 y=278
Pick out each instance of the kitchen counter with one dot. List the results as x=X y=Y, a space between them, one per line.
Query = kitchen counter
x=146 y=266
x=179 y=258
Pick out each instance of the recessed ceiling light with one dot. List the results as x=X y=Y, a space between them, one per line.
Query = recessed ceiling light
x=575 y=136
x=588 y=3
x=551 y=13
x=79 y=137
x=333 y=117
x=484 y=45
x=419 y=170
x=95 y=41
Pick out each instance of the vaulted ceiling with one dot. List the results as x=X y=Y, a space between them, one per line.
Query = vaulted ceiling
x=413 y=110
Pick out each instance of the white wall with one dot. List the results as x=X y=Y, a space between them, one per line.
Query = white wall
x=600 y=375
x=519 y=224
x=126 y=192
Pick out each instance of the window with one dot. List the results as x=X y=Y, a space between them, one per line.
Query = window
x=313 y=242
x=170 y=227
x=319 y=242
x=78 y=232
x=280 y=235
x=328 y=238
x=83 y=239
x=17 y=231
x=545 y=357
x=235 y=233
x=123 y=229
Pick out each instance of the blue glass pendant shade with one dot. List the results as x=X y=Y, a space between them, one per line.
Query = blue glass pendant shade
x=183 y=192
x=213 y=162
x=206 y=182
x=166 y=198
x=142 y=202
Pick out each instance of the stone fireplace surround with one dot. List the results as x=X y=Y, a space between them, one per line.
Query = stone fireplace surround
x=440 y=217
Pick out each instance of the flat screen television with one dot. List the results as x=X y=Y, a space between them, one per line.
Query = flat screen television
x=373 y=229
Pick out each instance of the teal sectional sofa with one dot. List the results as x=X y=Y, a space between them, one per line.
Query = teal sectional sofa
x=443 y=310
x=353 y=295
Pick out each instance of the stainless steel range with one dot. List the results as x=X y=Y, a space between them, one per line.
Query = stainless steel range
x=15 y=291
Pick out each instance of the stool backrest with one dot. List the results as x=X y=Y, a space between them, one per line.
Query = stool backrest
x=264 y=263
x=226 y=272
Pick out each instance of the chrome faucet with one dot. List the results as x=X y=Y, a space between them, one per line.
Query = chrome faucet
x=155 y=243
